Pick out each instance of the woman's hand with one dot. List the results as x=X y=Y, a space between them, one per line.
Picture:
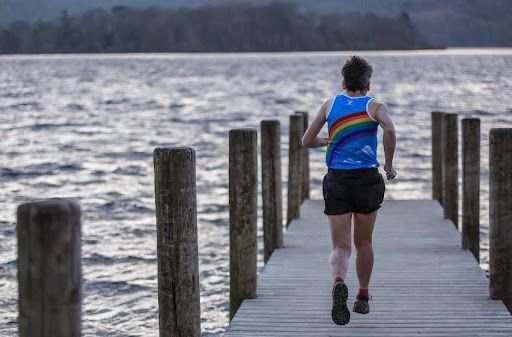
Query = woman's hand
x=390 y=172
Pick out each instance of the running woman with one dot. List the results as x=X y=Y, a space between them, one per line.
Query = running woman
x=353 y=188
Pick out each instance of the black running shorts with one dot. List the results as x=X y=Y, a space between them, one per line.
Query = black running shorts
x=353 y=191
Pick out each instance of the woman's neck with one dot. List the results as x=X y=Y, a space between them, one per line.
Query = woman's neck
x=355 y=93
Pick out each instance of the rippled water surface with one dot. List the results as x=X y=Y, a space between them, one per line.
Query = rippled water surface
x=85 y=127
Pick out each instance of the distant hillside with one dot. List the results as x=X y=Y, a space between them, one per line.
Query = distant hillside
x=32 y=10
x=220 y=28
x=458 y=23
x=446 y=22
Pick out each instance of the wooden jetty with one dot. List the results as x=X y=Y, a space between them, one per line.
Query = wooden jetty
x=423 y=283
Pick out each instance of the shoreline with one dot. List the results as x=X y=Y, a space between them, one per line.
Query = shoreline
x=405 y=52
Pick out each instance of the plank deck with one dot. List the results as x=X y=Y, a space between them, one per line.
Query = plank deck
x=423 y=284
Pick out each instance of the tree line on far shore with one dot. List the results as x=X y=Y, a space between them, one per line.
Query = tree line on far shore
x=220 y=28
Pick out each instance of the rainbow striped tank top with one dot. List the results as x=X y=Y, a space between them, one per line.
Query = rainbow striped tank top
x=352 y=134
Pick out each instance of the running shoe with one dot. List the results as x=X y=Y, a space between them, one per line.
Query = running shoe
x=361 y=305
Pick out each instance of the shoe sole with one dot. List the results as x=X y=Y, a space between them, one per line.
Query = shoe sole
x=340 y=313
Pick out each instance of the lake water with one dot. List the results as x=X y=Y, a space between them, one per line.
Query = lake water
x=85 y=127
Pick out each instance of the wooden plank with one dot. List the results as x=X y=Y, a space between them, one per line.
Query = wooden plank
x=423 y=283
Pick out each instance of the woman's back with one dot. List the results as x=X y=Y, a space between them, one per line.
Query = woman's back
x=352 y=134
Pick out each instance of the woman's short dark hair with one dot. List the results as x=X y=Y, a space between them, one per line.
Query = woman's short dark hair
x=356 y=73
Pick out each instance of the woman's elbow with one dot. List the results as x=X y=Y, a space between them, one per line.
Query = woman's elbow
x=390 y=130
x=306 y=142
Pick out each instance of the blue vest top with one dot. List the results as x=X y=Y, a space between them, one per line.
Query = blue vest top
x=352 y=134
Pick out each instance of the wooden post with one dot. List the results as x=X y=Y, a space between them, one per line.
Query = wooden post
x=176 y=224
x=500 y=215
x=305 y=160
x=437 y=164
x=450 y=167
x=243 y=187
x=49 y=268
x=471 y=186
x=271 y=187
x=295 y=167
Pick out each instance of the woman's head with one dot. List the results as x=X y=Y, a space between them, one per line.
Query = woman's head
x=356 y=73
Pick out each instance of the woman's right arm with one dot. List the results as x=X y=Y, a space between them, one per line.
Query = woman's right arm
x=380 y=112
x=311 y=138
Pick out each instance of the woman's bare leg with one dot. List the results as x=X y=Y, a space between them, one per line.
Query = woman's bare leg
x=341 y=244
x=363 y=230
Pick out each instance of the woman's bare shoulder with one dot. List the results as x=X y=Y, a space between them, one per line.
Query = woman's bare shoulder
x=328 y=102
x=326 y=106
x=376 y=104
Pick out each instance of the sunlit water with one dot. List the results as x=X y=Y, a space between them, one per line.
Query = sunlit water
x=85 y=127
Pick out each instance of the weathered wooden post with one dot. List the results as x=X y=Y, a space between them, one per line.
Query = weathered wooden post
x=450 y=167
x=271 y=187
x=305 y=160
x=49 y=268
x=437 y=164
x=176 y=223
x=500 y=215
x=243 y=189
x=471 y=185
x=295 y=167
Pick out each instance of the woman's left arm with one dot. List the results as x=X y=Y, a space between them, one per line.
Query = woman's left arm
x=311 y=138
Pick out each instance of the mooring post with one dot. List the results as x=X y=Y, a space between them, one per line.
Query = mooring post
x=49 y=268
x=437 y=164
x=471 y=186
x=243 y=189
x=176 y=224
x=500 y=215
x=305 y=160
x=271 y=187
x=295 y=165
x=450 y=167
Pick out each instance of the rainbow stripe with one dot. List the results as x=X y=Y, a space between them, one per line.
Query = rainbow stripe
x=347 y=129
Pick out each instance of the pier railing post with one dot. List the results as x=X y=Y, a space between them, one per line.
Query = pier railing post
x=437 y=164
x=176 y=223
x=450 y=167
x=49 y=268
x=471 y=186
x=305 y=159
x=243 y=187
x=295 y=165
x=500 y=215
x=271 y=187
